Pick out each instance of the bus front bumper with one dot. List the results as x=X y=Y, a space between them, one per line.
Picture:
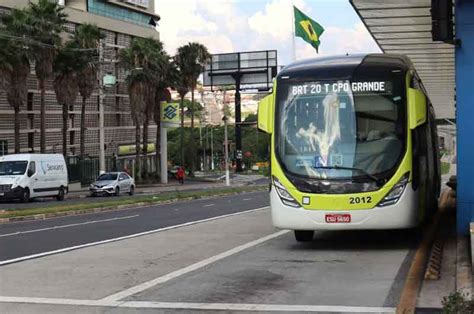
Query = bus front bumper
x=403 y=214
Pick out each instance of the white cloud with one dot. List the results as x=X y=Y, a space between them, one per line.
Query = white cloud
x=211 y=23
x=276 y=20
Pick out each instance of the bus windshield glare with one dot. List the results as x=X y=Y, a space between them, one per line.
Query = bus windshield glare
x=340 y=129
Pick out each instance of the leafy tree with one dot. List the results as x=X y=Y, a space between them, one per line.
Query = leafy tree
x=191 y=59
x=87 y=37
x=46 y=21
x=66 y=66
x=147 y=63
x=14 y=65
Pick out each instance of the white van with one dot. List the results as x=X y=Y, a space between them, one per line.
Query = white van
x=26 y=176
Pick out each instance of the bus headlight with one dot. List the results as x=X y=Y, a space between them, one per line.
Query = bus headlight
x=285 y=196
x=395 y=193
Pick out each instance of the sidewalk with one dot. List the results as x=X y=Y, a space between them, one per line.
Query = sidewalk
x=173 y=185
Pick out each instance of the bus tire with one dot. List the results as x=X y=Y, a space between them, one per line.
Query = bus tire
x=304 y=235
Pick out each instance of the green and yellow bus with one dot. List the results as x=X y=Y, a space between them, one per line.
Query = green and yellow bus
x=353 y=145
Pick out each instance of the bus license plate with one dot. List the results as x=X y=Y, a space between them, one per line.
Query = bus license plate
x=338 y=218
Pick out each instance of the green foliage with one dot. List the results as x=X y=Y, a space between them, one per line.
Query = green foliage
x=253 y=141
x=456 y=303
x=445 y=167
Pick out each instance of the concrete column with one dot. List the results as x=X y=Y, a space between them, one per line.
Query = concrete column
x=465 y=114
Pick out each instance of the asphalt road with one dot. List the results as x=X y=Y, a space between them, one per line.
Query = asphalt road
x=51 y=202
x=236 y=264
x=27 y=238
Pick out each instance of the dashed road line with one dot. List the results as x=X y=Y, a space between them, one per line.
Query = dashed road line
x=66 y=226
x=67 y=249
x=209 y=205
x=177 y=273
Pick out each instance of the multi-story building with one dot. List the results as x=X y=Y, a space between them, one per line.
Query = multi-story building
x=120 y=21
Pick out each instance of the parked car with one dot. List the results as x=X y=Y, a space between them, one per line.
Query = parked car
x=112 y=183
x=26 y=176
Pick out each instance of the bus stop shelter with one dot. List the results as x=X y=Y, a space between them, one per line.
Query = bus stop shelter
x=446 y=71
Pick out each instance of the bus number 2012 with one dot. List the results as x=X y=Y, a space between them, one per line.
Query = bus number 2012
x=360 y=200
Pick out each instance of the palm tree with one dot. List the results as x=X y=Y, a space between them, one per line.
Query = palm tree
x=66 y=66
x=147 y=62
x=87 y=36
x=14 y=66
x=191 y=59
x=46 y=20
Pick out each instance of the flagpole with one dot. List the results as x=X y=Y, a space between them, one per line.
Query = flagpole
x=293 y=31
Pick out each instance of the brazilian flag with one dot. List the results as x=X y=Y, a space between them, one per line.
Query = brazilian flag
x=307 y=29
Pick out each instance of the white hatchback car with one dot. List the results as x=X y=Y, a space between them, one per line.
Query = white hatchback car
x=112 y=183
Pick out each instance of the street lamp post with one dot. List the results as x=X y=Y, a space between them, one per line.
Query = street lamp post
x=226 y=153
x=101 y=113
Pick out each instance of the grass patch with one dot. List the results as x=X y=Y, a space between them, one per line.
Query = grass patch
x=122 y=201
x=445 y=167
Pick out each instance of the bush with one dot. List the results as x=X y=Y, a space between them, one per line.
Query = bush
x=457 y=303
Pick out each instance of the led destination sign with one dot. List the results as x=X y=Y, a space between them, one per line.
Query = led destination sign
x=338 y=87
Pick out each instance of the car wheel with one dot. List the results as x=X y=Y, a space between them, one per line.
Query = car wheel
x=132 y=190
x=304 y=235
x=117 y=191
x=60 y=196
x=25 y=196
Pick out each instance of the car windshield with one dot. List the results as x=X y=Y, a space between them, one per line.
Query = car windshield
x=340 y=128
x=107 y=177
x=8 y=168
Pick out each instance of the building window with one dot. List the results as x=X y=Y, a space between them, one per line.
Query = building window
x=31 y=142
x=118 y=13
x=3 y=147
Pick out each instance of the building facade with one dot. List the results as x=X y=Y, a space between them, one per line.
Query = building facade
x=120 y=21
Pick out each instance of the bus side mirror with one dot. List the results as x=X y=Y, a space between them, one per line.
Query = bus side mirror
x=265 y=114
x=416 y=108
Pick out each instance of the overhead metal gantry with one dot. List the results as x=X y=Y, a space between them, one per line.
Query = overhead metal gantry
x=404 y=27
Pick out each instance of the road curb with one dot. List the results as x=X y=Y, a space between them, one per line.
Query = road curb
x=413 y=283
x=112 y=208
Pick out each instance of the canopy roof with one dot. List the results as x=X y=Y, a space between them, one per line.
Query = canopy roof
x=404 y=27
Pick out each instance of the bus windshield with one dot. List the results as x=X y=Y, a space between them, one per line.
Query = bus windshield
x=12 y=168
x=340 y=129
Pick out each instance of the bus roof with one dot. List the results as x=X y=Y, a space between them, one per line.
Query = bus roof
x=343 y=65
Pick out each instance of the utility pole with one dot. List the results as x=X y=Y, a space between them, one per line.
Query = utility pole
x=226 y=153
x=101 y=111
x=238 y=125
x=212 y=150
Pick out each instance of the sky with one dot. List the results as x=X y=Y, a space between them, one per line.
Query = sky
x=246 y=25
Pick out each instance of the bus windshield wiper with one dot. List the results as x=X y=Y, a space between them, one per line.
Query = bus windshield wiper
x=365 y=173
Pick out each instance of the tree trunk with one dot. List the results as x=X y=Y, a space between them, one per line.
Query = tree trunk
x=191 y=140
x=83 y=129
x=41 y=84
x=65 y=118
x=145 y=146
x=138 y=169
x=17 y=129
x=182 y=131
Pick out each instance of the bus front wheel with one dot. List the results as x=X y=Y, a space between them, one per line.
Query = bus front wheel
x=304 y=235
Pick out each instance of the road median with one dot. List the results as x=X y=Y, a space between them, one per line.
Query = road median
x=15 y=215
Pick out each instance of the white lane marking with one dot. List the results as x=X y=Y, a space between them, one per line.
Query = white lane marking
x=24 y=258
x=162 y=279
x=247 y=199
x=209 y=205
x=203 y=306
x=67 y=226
